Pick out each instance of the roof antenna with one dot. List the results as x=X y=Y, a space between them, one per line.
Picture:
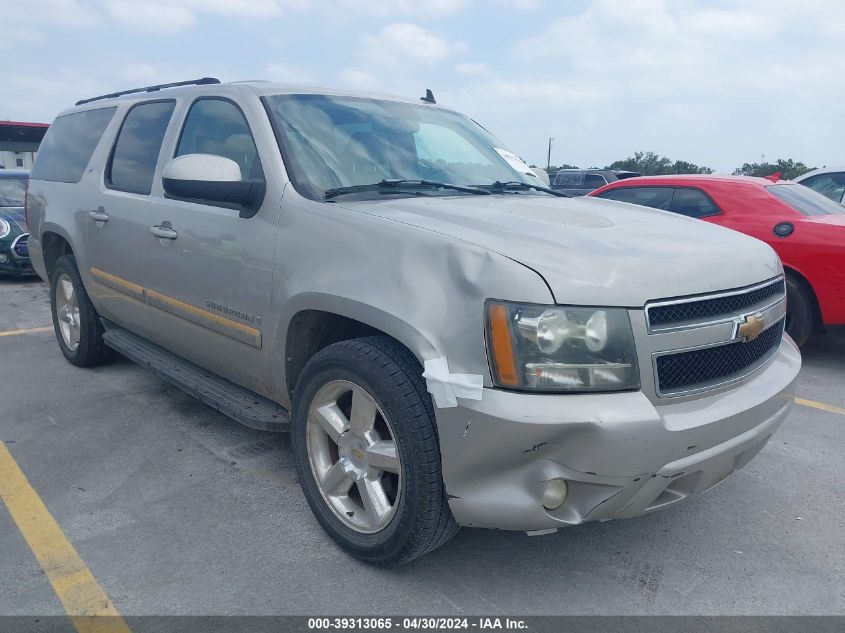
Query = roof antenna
x=429 y=96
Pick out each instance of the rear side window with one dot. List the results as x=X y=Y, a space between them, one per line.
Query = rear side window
x=217 y=126
x=135 y=154
x=655 y=197
x=805 y=200
x=68 y=145
x=573 y=179
x=594 y=181
x=829 y=185
x=693 y=203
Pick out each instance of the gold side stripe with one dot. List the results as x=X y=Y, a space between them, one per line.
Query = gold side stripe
x=215 y=322
x=198 y=316
x=116 y=283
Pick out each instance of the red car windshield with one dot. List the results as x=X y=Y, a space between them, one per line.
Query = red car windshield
x=805 y=200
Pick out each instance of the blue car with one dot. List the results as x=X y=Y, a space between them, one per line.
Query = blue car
x=14 y=252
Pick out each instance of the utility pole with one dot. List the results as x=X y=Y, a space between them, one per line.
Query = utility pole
x=549 y=155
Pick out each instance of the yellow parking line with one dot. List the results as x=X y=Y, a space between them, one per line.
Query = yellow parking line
x=820 y=405
x=84 y=601
x=32 y=330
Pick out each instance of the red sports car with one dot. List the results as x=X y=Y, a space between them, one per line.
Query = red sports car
x=806 y=229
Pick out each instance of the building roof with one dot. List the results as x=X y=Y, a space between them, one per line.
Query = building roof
x=24 y=133
x=22 y=124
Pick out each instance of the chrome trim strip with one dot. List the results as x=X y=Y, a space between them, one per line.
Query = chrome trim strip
x=15 y=243
x=690 y=325
x=713 y=386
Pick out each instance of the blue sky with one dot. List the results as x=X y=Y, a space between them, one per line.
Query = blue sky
x=713 y=82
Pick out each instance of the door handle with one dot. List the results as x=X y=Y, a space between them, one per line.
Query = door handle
x=164 y=231
x=99 y=215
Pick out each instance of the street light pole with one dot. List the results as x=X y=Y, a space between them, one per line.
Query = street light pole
x=549 y=156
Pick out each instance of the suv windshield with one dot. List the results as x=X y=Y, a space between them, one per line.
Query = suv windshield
x=332 y=142
x=12 y=192
x=805 y=200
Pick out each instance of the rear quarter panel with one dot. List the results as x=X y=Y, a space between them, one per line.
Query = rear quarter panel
x=815 y=250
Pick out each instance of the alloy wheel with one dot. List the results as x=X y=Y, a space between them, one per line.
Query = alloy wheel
x=67 y=312
x=353 y=456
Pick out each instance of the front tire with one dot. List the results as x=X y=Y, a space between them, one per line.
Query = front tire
x=77 y=325
x=367 y=453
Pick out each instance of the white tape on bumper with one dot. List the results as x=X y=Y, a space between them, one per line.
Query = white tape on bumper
x=446 y=388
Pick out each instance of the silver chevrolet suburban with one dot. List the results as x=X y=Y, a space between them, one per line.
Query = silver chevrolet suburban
x=449 y=342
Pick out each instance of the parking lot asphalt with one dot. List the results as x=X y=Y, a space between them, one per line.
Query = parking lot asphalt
x=177 y=509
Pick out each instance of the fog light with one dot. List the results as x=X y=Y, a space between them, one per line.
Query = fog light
x=554 y=494
x=4 y=259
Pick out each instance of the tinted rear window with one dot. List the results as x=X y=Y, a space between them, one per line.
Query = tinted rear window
x=67 y=147
x=693 y=203
x=655 y=197
x=12 y=192
x=136 y=150
x=805 y=200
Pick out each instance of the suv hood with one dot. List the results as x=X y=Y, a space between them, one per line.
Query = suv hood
x=592 y=251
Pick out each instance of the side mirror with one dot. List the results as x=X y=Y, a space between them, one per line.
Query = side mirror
x=542 y=174
x=210 y=178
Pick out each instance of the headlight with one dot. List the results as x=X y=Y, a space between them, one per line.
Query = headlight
x=550 y=348
x=5 y=228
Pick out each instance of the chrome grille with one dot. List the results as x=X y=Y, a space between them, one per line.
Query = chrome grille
x=694 y=369
x=20 y=246
x=669 y=313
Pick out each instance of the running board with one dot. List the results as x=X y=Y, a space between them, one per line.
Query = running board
x=238 y=403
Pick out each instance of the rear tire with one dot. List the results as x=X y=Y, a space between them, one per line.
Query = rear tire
x=801 y=318
x=415 y=517
x=76 y=322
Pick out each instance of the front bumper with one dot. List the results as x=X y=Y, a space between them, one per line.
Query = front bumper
x=620 y=454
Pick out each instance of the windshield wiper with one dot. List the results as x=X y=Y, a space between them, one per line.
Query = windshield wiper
x=515 y=185
x=400 y=183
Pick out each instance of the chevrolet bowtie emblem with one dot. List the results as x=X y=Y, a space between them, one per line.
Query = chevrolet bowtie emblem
x=751 y=327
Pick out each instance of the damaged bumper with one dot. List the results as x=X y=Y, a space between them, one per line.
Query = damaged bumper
x=621 y=454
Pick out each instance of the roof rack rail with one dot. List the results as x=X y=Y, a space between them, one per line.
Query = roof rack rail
x=203 y=81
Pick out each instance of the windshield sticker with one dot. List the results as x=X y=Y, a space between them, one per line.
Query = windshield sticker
x=514 y=161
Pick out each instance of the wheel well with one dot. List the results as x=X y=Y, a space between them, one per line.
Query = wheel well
x=53 y=246
x=802 y=280
x=312 y=330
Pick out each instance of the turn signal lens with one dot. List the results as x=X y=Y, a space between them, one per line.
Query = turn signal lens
x=500 y=340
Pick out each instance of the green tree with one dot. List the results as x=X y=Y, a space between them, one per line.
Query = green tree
x=788 y=169
x=650 y=164
x=683 y=167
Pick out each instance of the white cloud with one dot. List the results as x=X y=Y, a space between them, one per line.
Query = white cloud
x=20 y=35
x=385 y=8
x=141 y=72
x=151 y=17
x=38 y=96
x=473 y=69
x=172 y=16
x=683 y=78
x=73 y=13
x=522 y=5
x=403 y=41
x=360 y=79
x=285 y=73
